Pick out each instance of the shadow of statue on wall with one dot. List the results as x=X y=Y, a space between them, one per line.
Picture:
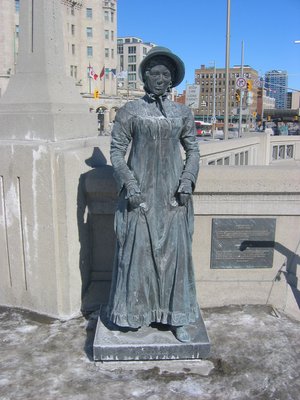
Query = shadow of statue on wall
x=291 y=263
x=96 y=202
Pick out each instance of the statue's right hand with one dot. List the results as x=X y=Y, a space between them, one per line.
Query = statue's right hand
x=135 y=200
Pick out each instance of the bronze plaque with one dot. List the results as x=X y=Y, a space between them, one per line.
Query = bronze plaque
x=242 y=242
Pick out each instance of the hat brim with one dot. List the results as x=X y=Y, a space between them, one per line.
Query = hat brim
x=179 y=65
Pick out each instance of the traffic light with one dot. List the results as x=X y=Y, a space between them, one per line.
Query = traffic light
x=96 y=94
x=249 y=85
x=237 y=95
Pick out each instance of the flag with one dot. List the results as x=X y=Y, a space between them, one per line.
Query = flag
x=113 y=71
x=107 y=70
x=92 y=73
x=102 y=73
x=122 y=75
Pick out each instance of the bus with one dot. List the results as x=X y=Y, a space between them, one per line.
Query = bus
x=203 y=128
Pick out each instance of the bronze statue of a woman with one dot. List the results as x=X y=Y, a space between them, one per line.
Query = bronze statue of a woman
x=153 y=277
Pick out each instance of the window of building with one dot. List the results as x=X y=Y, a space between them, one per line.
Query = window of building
x=106 y=34
x=127 y=40
x=73 y=29
x=132 y=77
x=17 y=31
x=131 y=59
x=112 y=52
x=106 y=52
x=89 y=50
x=132 y=49
x=73 y=48
x=112 y=17
x=73 y=71
x=17 y=6
x=106 y=16
x=89 y=13
x=72 y=10
x=145 y=50
x=120 y=49
x=112 y=35
x=132 y=67
x=89 y=31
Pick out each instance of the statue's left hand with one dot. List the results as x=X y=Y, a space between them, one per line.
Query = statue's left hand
x=184 y=191
x=184 y=198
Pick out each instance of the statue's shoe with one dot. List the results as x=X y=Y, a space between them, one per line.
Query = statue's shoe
x=182 y=334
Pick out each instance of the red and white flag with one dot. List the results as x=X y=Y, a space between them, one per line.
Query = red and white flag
x=92 y=73
x=102 y=73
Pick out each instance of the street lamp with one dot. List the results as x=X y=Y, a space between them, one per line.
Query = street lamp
x=214 y=100
x=226 y=114
x=241 y=92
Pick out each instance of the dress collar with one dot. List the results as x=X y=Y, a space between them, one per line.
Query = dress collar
x=154 y=97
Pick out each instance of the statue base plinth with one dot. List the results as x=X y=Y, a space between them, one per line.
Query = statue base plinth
x=155 y=342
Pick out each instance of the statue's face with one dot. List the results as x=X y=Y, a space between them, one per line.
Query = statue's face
x=158 y=79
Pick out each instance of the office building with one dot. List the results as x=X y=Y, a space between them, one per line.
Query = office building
x=90 y=39
x=204 y=76
x=131 y=51
x=293 y=100
x=276 y=83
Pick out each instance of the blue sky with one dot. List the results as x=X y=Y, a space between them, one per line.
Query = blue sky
x=196 y=31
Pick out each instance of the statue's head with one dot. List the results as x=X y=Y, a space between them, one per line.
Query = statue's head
x=161 y=70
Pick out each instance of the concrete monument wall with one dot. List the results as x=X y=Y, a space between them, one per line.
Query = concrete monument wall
x=40 y=249
x=46 y=134
x=249 y=193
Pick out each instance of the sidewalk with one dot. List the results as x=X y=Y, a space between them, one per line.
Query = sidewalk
x=255 y=355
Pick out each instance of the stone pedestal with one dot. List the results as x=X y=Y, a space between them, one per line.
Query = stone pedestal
x=157 y=342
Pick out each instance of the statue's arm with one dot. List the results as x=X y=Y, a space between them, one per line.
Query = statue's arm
x=189 y=142
x=121 y=137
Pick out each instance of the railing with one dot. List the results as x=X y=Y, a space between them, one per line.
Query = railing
x=285 y=148
x=261 y=149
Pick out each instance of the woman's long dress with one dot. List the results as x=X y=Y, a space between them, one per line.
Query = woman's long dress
x=153 y=277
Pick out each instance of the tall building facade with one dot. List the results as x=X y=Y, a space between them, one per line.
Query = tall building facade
x=293 y=100
x=276 y=84
x=90 y=40
x=205 y=77
x=131 y=51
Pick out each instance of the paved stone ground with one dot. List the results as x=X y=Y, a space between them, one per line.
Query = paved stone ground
x=255 y=355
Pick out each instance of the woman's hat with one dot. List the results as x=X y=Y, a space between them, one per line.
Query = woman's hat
x=164 y=52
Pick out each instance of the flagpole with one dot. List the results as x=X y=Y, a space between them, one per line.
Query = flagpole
x=104 y=80
x=90 y=83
